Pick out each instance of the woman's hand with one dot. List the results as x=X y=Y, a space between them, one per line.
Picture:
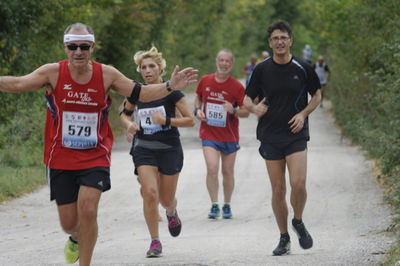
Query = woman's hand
x=131 y=131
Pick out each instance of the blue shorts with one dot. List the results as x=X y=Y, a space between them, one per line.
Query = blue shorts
x=279 y=150
x=224 y=147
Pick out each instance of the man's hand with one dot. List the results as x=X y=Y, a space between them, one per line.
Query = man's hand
x=228 y=107
x=131 y=131
x=261 y=108
x=200 y=115
x=184 y=78
x=297 y=123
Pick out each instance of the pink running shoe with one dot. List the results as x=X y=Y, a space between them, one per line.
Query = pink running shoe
x=155 y=250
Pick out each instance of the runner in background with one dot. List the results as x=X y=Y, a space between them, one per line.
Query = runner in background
x=307 y=54
x=264 y=55
x=218 y=104
x=322 y=70
x=249 y=67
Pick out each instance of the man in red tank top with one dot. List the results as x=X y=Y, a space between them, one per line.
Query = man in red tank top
x=78 y=138
x=218 y=104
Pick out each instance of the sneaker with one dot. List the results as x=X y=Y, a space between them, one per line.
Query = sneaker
x=174 y=224
x=155 y=249
x=71 y=251
x=305 y=238
x=226 y=211
x=283 y=247
x=214 y=212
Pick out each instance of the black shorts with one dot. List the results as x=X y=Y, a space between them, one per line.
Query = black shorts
x=168 y=161
x=64 y=184
x=279 y=150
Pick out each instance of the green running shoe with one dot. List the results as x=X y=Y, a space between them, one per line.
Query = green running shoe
x=71 y=251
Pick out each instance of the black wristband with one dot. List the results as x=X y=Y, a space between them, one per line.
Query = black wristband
x=168 y=86
x=135 y=93
x=195 y=111
x=167 y=121
x=235 y=110
x=126 y=111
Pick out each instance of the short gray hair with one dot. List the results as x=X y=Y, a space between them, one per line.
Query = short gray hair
x=79 y=27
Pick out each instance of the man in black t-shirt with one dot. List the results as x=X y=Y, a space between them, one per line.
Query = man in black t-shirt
x=278 y=94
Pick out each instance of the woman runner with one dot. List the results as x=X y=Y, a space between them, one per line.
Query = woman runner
x=156 y=150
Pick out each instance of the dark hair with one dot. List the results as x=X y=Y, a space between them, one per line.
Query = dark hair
x=279 y=25
x=80 y=27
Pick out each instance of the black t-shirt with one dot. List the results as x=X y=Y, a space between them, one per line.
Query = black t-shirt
x=286 y=88
x=148 y=131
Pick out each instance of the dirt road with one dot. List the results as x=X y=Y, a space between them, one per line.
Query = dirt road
x=344 y=212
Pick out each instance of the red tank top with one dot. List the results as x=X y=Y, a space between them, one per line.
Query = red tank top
x=77 y=132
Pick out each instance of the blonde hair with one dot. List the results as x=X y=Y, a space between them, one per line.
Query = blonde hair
x=153 y=54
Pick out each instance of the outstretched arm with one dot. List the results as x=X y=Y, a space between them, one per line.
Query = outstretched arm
x=31 y=82
x=125 y=86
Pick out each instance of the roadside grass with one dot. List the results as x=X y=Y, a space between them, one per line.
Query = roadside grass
x=393 y=256
x=15 y=182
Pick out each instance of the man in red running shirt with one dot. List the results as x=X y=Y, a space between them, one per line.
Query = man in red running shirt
x=78 y=138
x=218 y=104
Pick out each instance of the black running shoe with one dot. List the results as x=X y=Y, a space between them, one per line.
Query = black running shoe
x=305 y=238
x=174 y=224
x=283 y=247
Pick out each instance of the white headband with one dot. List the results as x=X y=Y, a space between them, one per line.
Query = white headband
x=74 y=37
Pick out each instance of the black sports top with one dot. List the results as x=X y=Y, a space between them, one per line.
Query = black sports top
x=286 y=88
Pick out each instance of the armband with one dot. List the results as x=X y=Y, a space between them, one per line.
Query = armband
x=167 y=121
x=135 y=93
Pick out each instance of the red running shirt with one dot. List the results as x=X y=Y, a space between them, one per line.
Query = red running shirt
x=220 y=125
x=77 y=132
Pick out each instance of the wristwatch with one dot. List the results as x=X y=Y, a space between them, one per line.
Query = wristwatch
x=168 y=86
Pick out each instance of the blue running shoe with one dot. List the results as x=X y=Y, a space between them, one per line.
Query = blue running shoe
x=226 y=211
x=214 y=212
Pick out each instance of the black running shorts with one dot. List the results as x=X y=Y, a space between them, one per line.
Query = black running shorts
x=168 y=161
x=279 y=150
x=64 y=184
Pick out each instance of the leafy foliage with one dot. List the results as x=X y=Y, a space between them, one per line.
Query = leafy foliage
x=359 y=38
